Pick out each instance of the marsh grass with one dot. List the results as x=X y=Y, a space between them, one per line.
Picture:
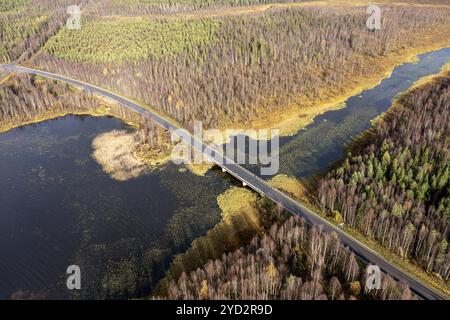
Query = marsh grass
x=240 y=222
x=114 y=151
x=123 y=157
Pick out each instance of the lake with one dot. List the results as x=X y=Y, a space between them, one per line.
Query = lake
x=58 y=208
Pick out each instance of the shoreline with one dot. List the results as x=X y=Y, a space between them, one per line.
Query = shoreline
x=300 y=190
x=406 y=264
x=8 y=128
x=292 y=119
x=296 y=117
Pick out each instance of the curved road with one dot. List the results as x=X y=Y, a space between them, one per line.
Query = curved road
x=251 y=180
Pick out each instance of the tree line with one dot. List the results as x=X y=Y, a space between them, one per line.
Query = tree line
x=26 y=25
x=27 y=98
x=290 y=261
x=139 y=7
x=256 y=65
x=395 y=187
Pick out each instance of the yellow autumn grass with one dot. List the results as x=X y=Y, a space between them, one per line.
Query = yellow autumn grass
x=239 y=224
x=116 y=152
x=290 y=185
x=236 y=200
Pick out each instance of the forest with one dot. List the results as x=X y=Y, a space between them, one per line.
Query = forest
x=26 y=25
x=9 y=5
x=241 y=68
x=24 y=98
x=28 y=98
x=290 y=261
x=139 y=7
x=132 y=39
x=394 y=186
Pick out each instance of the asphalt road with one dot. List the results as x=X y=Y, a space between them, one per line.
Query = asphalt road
x=254 y=182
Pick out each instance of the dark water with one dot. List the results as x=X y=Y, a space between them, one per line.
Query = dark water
x=321 y=143
x=58 y=208
x=316 y=147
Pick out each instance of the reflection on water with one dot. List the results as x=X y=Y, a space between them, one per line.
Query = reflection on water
x=58 y=208
x=313 y=149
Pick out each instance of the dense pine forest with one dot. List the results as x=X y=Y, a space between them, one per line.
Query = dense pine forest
x=25 y=26
x=289 y=261
x=396 y=189
x=240 y=68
